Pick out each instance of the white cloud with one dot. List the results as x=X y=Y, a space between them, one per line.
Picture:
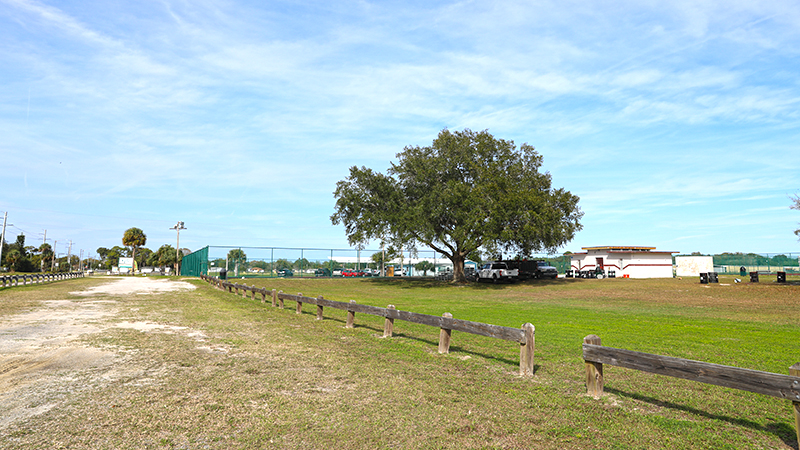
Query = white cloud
x=641 y=108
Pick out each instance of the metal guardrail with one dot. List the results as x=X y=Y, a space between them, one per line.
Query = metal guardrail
x=14 y=280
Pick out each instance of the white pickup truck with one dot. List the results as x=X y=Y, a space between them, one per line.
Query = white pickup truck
x=496 y=272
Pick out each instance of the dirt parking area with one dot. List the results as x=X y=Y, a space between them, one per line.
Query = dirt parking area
x=43 y=362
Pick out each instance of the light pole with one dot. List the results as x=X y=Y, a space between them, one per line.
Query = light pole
x=178 y=227
x=3 y=235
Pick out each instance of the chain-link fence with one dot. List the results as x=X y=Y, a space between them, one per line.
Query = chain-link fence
x=733 y=263
x=311 y=262
x=314 y=262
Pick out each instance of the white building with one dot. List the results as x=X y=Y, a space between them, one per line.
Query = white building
x=625 y=261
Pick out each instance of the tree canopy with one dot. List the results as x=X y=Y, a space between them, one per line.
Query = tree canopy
x=17 y=256
x=237 y=255
x=424 y=267
x=110 y=257
x=466 y=191
x=165 y=255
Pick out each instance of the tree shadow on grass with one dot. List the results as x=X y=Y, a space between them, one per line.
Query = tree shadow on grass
x=428 y=283
x=432 y=343
x=782 y=430
x=459 y=349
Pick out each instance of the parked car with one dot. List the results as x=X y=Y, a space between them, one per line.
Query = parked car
x=348 y=273
x=496 y=272
x=545 y=270
x=322 y=273
x=285 y=273
x=532 y=268
x=337 y=272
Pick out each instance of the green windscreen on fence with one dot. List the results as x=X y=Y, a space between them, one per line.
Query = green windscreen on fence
x=196 y=263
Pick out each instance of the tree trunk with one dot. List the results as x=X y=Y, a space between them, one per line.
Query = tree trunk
x=458 y=267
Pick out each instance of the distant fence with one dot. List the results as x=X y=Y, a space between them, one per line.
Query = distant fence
x=525 y=336
x=731 y=263
x=14 y=280
x=251 y=261
x=734 y=269
x=260 y=261
x=195 y=264
x=765 y=383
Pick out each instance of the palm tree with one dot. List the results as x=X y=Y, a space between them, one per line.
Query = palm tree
x=238 y=256
x=47 y=255
x=134 y=238
x=12 y=258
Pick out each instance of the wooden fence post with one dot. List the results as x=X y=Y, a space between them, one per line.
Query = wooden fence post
x=319 y=309
x=253 y=292
x=299 y=309
x=263 y=295
x=351 y=317
x=444 y=336
x=795 y=371
x=594 y=371
x=274 y=298
x=280 y=300
x=388 y=324
x=526 y=350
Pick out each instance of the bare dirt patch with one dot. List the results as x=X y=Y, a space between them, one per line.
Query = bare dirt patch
x=42 y=359
x=136 y=286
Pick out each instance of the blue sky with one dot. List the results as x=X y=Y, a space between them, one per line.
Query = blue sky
x=676 y=123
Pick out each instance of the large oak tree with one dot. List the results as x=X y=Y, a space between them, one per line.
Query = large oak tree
x=466 y=191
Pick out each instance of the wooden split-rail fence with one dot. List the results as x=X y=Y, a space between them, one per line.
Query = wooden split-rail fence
x=595 y=355
x=525 y=336
x=766 y=383
x=17 y=280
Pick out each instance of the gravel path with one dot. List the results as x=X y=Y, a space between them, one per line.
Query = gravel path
x=42 y=361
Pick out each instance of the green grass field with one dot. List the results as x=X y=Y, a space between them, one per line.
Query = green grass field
x=289 y=381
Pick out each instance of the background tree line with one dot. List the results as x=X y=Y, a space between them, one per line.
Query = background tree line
x=145 y=257
x=17 y=257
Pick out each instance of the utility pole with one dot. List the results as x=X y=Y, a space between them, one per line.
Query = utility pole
x=53 y=261
x=41 y=261
x=178 y=227
x=3 y=235
x=69 y=256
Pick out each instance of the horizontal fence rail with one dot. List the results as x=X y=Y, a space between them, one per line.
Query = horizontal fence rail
x=765 y=383
x=23 y=280
x=525 y=336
